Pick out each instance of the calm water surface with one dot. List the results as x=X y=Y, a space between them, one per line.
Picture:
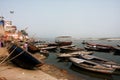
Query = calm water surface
x=87 y=75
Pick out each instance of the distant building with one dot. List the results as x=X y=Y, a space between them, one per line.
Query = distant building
x=9 y=27
x=10 y=32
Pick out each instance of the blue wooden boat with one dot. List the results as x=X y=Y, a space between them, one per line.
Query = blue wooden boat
x=22 y=58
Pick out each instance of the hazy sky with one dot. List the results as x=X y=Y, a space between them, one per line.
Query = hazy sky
x=52 y=18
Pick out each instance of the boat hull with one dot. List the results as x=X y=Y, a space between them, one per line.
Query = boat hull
x=64 y=43
x=32 y=48
x=97 y=49
x=24 y=60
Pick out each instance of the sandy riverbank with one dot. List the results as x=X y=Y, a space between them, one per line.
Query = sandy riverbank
x=9 y=71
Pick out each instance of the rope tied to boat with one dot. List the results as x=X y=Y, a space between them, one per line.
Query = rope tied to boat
x=16 y=56
x=7 y=56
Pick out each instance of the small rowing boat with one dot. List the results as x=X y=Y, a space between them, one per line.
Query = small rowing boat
x=92 y=66
x=102 y=61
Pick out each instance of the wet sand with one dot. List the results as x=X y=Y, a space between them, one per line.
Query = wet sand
x=9 y=71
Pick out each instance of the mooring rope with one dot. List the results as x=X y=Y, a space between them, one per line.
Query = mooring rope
x=7 y=57
x=16 y=56
x=11 y=58
x=9 y=46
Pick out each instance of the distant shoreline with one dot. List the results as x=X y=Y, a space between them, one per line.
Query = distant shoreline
x=108 y=39
x=113 y=39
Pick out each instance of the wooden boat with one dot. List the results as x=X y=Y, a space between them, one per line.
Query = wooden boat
x=71 y=48
x=44 y=52
x=73 y=54
x=64 y=43
x=117 y=52
x=32 y=48
x=98 y=47
x=92 y=66
x=63 y=40
x=91 y=73
x=84 y=42
x=99 y=60
x=40 y=44
x=52 y=44
x=51 y=48
x=118 y=45
x=22 y=58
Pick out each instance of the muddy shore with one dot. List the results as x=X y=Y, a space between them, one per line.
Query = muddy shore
x=9 y=71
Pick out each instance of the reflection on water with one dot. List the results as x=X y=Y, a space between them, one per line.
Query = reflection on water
x=88 y=75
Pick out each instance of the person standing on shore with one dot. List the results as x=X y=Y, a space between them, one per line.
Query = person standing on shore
x=0 y=43
x=25 y=46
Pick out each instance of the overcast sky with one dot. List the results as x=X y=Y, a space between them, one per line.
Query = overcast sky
x=76 y=18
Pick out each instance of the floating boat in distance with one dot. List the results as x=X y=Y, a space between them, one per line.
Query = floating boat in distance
x=63 y=40
x=92 y=66
x=99 y=60
x=22 y=58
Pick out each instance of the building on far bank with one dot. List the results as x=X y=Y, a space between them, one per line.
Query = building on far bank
x=9 y=32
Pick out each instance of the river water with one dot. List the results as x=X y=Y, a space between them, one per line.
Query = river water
x=87 y=75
